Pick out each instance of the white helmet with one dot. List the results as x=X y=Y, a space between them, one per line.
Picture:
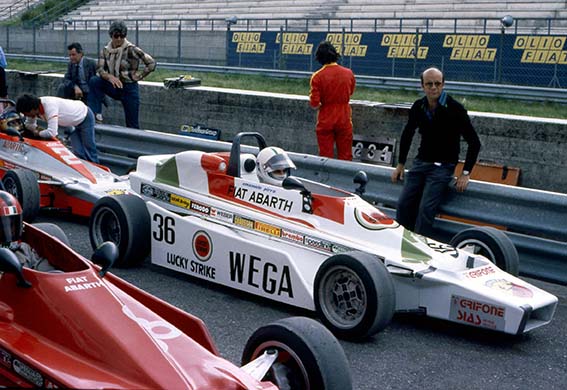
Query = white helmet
x=273 y=165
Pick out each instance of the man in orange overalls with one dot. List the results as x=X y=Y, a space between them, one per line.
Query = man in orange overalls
x=331 y=89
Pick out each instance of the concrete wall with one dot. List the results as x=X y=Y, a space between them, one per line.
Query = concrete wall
x=536 y=146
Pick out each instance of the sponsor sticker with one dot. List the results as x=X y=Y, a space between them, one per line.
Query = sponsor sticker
x=5 y=358
x=28 y=373
x=509 y=288
x=480 y=272
x=241 y=221
x=116 y=192
x=200 y=208
x=202 y=246
x=80 y=283
x=318 y=243
x=179 y=201
x=292 y=236
x=477 y=313
x=221 y=215
x=267 y=228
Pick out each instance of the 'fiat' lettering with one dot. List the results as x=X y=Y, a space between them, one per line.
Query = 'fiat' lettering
x=260 y=274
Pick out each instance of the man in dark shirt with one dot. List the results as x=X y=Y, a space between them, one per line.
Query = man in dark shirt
x=441 y=121
x=79 y=71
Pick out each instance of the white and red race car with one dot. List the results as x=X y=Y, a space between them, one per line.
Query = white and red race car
x=46 y=174
x=311 y=245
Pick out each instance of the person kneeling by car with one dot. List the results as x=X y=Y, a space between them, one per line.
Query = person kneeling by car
x=273 y=165
x=61 y=112
x=11 y=229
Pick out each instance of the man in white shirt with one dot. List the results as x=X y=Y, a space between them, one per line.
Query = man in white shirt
x=61 y=112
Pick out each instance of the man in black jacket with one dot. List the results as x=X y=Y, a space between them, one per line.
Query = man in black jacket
x=79 y=71
x=441 y=121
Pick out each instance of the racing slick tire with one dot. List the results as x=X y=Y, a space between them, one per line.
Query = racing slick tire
x=22 y=183
x=124 y=220
x=354 y=295
x=53 y=230
x=309 y=356
x=492 y=244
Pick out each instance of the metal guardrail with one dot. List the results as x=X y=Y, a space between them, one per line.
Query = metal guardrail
x=538 y=94
x=535 y=220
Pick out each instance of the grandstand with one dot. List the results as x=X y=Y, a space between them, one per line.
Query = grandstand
x=335 y=9
x=12 y=8
x=351 y=14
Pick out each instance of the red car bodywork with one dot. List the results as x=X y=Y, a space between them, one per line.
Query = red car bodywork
x=75 y=329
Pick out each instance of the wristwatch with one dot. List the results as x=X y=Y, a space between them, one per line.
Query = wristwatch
x=466 y=173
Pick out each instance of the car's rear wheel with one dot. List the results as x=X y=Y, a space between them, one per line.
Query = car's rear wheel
x=53 y=230
x=309 y=356
x=490 y=243
x=354 y=295
x=22 y=183
x=124 y=220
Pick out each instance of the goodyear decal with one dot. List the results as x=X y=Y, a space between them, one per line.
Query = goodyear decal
x=509 y=288
x=477 y=313
x=80 y=283
x=249 y=42
x=404 y=46
x=541 y=49
x=470 y=47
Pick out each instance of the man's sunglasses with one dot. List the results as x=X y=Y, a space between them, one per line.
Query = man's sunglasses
x=118 y=36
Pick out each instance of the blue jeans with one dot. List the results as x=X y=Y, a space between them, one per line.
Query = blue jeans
x=425 y=187
x=83 y=139
x=129 y=95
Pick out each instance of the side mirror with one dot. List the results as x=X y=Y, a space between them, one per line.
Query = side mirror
x=293 y=183
x=361 y=178
x=10 y=264
x=105 y=256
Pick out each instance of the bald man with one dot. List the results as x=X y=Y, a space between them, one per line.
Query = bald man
x=441 y=121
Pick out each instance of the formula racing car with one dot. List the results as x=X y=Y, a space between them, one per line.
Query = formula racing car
x=46 y=174
x=79 y=326
x=311 y=245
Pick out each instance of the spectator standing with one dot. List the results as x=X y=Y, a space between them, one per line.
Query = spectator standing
x=61 y=112
x=118 y=74
x=441 y=121
x=330 y=90
x=3 y=83
x=80 y=69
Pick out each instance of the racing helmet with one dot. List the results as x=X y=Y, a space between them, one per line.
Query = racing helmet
x=273 y=165
x=11 y=219
x=11 y=119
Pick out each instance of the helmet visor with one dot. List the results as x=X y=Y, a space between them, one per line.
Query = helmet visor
x=11 y=228
x=279 y=162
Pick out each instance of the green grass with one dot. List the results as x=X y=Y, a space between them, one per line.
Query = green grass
x=301 y=87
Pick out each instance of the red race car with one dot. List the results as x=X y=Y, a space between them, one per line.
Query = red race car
x=77 y=326
x=46 y=174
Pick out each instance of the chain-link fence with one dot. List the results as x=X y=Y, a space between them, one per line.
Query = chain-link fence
x=522 y=52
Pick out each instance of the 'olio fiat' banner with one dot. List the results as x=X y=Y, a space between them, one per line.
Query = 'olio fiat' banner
x=513 y=59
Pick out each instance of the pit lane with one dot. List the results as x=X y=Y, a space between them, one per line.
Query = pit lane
x=412 y=352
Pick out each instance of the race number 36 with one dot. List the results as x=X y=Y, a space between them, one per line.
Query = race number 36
x=164 y=229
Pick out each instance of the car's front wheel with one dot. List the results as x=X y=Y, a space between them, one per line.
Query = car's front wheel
x=309 y=356
x=354 y=295
x=491 y=243
x=124 y=220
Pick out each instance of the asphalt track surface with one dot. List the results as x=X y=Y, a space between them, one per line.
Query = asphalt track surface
x=412 y=352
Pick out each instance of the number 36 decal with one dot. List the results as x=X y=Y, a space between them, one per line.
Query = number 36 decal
x=164 y=229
